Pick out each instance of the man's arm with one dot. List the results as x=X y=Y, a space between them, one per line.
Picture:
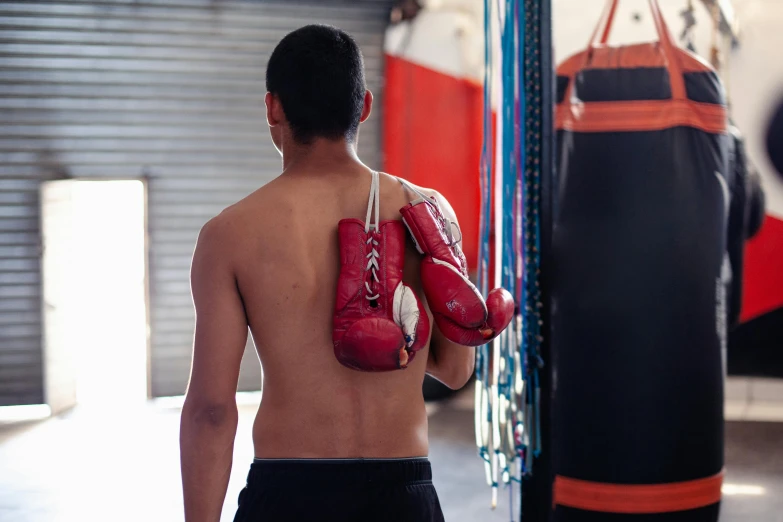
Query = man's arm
x=450 y=363
x=209 y=416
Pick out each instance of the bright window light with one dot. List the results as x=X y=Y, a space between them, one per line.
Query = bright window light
x=743 y=489
x=32 y=412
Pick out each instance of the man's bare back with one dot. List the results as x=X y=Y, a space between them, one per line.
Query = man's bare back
x=287 y=263
x=270 y=264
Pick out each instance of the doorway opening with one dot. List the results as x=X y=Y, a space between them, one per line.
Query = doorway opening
x=95 y=293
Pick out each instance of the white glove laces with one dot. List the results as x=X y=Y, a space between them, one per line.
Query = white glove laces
x=372 y=257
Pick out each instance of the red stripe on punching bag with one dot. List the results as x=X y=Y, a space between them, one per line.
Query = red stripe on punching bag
x=638 y=498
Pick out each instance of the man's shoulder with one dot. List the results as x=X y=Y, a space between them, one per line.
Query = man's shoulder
x=238 y=216
x=229 y=231
x=219 y=231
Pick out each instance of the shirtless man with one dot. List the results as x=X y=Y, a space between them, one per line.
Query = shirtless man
x=331 y=443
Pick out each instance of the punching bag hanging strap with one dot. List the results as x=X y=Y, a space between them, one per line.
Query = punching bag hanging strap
x=669 y=50
x=664 y=37
x=605 y=22
x=609 y=23
x=601 y=22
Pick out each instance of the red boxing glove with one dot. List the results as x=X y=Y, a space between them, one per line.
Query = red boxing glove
x=379 y=323
x=457 y=306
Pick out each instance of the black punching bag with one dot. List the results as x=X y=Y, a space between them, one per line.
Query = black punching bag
x=639 y=281
x=775 y=139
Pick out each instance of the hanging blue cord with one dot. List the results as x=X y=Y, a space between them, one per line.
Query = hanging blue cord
x=485 y=174
x=509 y=165
x=509 y=145
x=486 y=157
x=520 y=145
x=525 y=253
x=519 y=110
x=521 y=115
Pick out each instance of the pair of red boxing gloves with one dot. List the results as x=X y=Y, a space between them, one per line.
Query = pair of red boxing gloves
x=379 y=323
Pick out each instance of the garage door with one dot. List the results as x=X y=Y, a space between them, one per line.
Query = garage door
x=167 y=90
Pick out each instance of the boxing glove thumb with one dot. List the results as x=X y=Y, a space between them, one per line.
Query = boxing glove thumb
x=410 y=316
x=500 y=311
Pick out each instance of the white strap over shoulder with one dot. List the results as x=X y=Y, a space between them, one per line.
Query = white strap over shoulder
x=375 y=197
x=413 y=188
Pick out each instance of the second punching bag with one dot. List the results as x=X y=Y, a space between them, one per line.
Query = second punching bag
x=638 y=310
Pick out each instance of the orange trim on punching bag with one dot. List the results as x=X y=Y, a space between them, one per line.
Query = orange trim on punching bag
x=640 y=116
x=643 y=115
x=638 y=499
x=646 y=55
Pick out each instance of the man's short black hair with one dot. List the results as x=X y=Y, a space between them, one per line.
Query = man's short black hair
x=317 y=72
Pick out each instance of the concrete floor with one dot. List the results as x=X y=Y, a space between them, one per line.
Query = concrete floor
x=95 y=465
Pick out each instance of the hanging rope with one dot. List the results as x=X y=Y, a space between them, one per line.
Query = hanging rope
x=689 y=19
x=507 y=390
x=715 y=58
x=532 y=224
x=482 y=407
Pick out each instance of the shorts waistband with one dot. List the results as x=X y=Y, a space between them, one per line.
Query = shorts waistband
x=391 y=471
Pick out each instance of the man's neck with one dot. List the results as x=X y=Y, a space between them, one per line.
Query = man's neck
x=320 y=155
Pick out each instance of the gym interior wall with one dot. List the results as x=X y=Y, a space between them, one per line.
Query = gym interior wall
x=168 y=91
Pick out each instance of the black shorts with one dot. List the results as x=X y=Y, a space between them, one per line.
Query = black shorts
x=366 y=490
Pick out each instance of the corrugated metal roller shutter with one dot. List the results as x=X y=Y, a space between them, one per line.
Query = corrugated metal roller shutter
x=169 y=90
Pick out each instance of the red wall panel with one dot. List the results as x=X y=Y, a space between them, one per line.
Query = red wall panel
x=432 y=136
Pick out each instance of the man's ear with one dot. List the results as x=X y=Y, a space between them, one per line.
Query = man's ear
x=274 y=110
x=367 y=106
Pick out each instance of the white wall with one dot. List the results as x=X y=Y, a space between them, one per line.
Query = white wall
x=755 y=77
x=575 y=20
